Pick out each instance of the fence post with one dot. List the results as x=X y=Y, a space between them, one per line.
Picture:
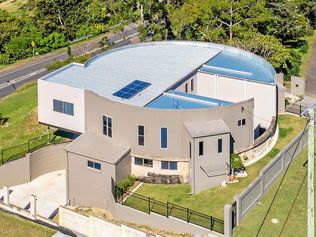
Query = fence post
x=188 y=215
x=228 y=220
x=212 y=224
x=238 y=210
x=148 y=205
x=167 y=210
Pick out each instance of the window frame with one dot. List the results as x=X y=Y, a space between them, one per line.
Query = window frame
x=63 y=107
x=144 y=162
x=138 y=135
x=161 y=143
x=93 y=165
x=192 y=85
x=201 y=148
x=220 y=145
x=166 y=165
x=106 y=129
x=186 y=88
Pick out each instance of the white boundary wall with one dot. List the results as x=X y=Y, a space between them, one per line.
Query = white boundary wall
x=92 y=226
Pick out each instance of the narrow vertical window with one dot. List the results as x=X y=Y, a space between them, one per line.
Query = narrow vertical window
x=164 y=138
x=186 y=87
x=190 y=150
x=201 y=152
x=192 y=86
x=243 y=122
x=220 y=145
x=107 y=126
x=141 y=135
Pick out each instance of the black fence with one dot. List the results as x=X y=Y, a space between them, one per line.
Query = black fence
x=19 y=151
x=149 y=205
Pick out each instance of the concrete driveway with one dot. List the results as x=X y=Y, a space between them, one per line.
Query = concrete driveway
x=49 y=189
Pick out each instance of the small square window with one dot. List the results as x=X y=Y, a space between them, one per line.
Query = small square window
x=97 y=166
x=148 y=163
x=138 y=161
x=90 y=164
x=173 y=165
x=164 y=165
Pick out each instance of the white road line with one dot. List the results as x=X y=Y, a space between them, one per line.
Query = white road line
x=3 y=85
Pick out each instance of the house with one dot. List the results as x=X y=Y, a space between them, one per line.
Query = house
x=170 y=108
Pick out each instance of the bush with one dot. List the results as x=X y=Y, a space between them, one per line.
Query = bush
x=235 y=161
x=126 y=183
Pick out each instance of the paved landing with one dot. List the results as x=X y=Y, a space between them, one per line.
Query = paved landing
x=49 y=189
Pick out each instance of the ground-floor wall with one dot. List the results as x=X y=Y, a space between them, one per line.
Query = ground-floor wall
x=155 y=166
x=88 y=186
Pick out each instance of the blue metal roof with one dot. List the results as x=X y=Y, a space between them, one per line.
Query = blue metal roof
x=240 y=64
x=180 y=100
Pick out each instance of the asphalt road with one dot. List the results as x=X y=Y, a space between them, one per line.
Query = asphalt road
x=10 y=80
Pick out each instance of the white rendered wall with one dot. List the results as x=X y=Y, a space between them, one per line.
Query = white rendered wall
x=47 y=91
x=236 y=90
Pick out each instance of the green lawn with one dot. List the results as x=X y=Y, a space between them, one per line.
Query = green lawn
x=21 y=109
x=296 y=225
x=212 y=201
x=13 y=226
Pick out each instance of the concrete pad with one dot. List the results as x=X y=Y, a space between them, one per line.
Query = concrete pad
x=49 y=189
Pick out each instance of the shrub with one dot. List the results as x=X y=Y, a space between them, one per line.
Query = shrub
x=124 y=184
x=235 y=161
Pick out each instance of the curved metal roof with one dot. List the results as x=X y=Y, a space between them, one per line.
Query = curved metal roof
x=162 y=64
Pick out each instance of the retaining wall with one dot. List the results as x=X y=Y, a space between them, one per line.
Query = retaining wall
x=93 y=226
x=34 y=164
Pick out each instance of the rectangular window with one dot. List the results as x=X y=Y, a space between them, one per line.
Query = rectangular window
x=239 y=123
x=63 y=107
x=94 y=165
x=243 y=122
x=58 y=106
x=169 y=165
x=173 y=165
x=107 y=126
x=141 y=135
x=190 y=150
x=138 y=161
x=148 y=163
x=220 y=145
x=192 y=86
x=186 y=87
x=143 y=162
x=164 y=138
x=201 y=148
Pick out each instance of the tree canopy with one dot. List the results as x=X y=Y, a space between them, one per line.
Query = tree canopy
x=273 y=29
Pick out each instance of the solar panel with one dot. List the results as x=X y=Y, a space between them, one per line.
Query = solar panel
x=132 y=89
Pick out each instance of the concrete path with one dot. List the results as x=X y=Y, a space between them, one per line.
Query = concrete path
x=49 y=189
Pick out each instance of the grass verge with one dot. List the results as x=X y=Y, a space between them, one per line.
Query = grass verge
x=291 y=214
x=13 y=226
x=212 y=201
x=21 y=109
